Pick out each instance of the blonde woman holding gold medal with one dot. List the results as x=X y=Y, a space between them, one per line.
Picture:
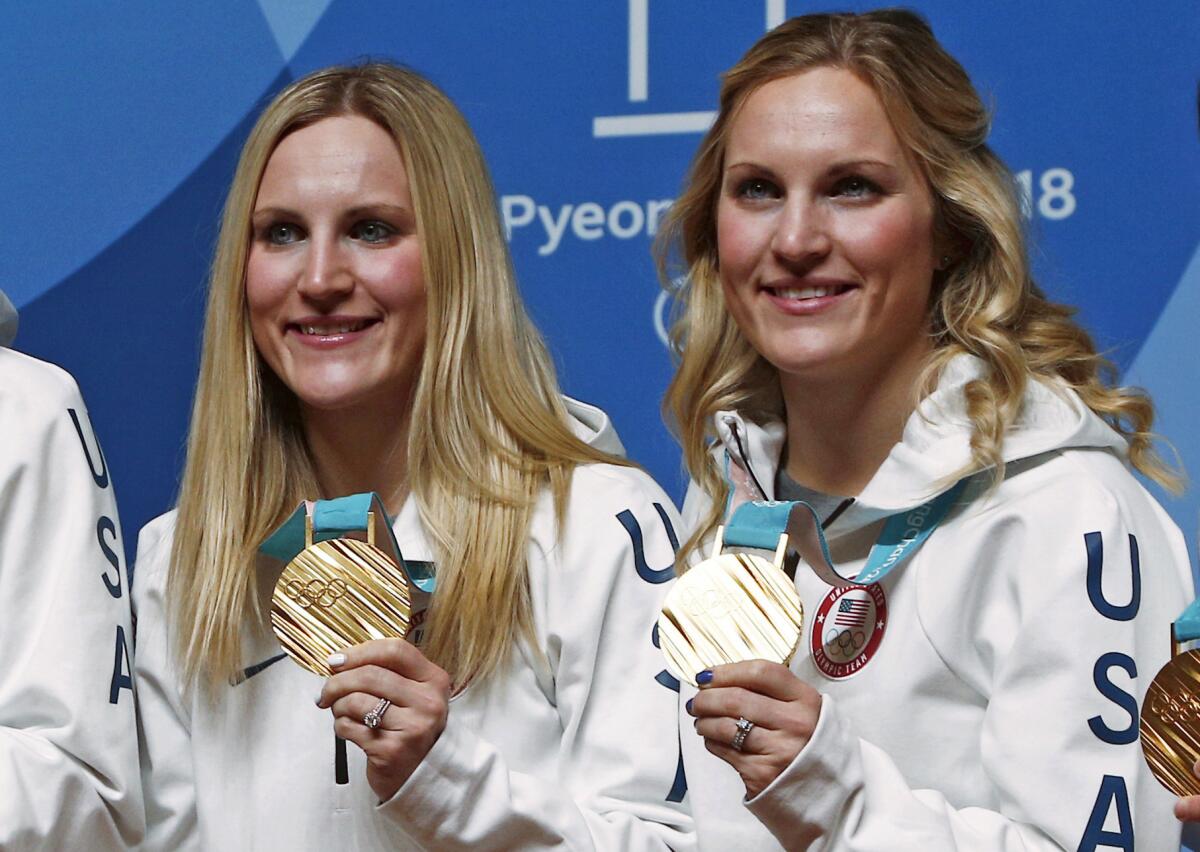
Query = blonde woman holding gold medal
x=860 y=333
x=365 y=336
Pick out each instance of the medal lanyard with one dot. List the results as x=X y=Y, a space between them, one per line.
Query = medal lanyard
x=1187 y=627
x=337 y=518
x=760 y=525
x=330 y=519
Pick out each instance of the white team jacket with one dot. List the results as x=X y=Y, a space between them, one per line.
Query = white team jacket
x=583 y=753
x=68 y=742
x=993 y=700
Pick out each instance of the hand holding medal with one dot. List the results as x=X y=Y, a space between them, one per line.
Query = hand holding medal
x=731 y=625
x=389 y=700
x=731 y=607
x=342 y=608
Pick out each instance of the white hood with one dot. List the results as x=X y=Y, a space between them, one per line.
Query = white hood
x=593 y=427
x=935 y=443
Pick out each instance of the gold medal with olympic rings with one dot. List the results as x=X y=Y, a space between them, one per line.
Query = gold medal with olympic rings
x=729 y=608
x=338 y=593
x=1170 y=722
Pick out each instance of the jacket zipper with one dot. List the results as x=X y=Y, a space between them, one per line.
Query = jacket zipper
x=341 y=772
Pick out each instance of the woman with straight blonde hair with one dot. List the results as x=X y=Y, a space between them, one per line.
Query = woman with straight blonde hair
x=860 y=333
x=364 y=334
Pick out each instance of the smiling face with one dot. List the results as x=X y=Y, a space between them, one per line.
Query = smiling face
x=334 y=283
x=825 y=231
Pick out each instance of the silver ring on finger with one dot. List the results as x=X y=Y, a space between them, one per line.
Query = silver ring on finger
x=744 y=727
x=374 y=716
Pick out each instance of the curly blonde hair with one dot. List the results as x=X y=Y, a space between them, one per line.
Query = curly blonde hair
x=985 y=303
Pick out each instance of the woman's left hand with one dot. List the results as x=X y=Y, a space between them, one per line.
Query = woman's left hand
x=783 y=708
x=419 y=693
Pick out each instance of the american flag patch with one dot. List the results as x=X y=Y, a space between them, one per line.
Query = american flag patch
x=851 y=613
x=848 y=630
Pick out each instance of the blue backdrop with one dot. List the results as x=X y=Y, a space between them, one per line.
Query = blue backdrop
x=123 y=121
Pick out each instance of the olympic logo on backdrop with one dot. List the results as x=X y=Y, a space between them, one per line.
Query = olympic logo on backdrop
x=662 y=310
x=848 y=629
x=316 y=592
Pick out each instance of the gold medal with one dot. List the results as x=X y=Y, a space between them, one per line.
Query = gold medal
x=338 y=593
x=731 y=607
x=1170 y=723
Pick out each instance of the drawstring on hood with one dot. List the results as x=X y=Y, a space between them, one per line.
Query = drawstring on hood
x=733 y=422
x=935 y=444
x=733 y=427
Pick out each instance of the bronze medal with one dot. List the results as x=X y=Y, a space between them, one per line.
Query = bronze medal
x=729 y=608
x=1170 y=723
x=335 y=594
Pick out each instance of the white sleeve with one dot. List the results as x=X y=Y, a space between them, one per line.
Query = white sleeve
x=620 y=782
x=164 y=720
x=68 y=745
x=1065 y=624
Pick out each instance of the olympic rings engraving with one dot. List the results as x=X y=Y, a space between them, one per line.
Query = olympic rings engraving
x=315 y=592
x=708 y=601
x=1183 y=707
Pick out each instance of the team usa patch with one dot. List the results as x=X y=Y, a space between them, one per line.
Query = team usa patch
x=848 y=629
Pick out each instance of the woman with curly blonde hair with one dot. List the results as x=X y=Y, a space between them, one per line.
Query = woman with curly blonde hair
x=859 y=331
x=365 y=334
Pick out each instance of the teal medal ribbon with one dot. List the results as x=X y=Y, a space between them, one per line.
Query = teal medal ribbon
x=759 y=525
x=1187 y=626
x=339 y=518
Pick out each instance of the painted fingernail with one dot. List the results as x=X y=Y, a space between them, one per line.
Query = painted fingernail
x=336 y=659
x=704 y=677
x=688 y=706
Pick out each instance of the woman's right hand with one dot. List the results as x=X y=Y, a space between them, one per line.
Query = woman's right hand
x=419 y=696
x=1187 y=809
x=783 y=708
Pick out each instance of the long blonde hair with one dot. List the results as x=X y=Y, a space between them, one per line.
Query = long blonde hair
x=985 y=303
x=490 y=428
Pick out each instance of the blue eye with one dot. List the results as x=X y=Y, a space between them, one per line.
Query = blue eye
x=756 y=189
x=855 y=187
x=372 y=231
x=282 y=233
